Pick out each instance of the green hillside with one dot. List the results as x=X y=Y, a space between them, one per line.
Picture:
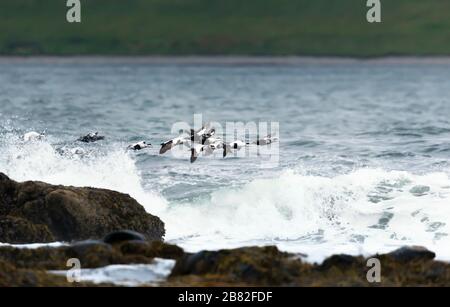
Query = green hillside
x=226 y=27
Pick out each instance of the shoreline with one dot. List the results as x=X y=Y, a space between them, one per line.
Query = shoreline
x=248 y=266
x=225 y=60
x=301 y=255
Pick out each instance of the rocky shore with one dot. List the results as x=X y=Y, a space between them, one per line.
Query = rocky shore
x=94 y=221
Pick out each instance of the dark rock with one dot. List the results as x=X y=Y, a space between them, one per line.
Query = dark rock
x=134 y=247
x=340 y=261
x=203 y=262
x=40 y=258
x=39 y=212
x=253 y=265
x=17 y=229
x=91 y=253
x=247 y=266
x=12 y=276
x=411 y=253
x=123 y=235
x=151 y=249
x=87 y=246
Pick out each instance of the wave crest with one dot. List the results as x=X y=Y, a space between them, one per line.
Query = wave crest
x=367 y=211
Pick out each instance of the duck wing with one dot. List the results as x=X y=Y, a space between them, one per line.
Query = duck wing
x=194 y=155
x=226 y=149
x=166 y=146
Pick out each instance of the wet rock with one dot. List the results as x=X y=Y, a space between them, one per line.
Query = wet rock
x=269 y=267
x=151 y=249
x=91 y=253
x=83 y=247
x=15 y=229
x=252 y=265
x=123 y=235
x=340 y=261
x=39 y=212
x=411 y=253
x=40 y=258
x=10 y=276
x=247 y=266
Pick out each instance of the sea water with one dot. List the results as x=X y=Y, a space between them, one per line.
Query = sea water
x=364 y=148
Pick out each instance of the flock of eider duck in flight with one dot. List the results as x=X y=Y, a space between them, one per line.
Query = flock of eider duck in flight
x=201 y=141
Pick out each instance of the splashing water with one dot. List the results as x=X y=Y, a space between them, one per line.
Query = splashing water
x=365 y=211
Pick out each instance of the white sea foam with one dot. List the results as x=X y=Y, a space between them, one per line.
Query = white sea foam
x=127 y=275
x=113 y=169
x=366 y=211
x=34 y=245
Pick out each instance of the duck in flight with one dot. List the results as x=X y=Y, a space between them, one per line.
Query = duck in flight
x=91 y=137
x=236 y=146
x=213 y=144
x=207 y=149
x=196 y=150
x=183 y=139
x=139 y=146
x=188 y=138
x=266 y=140
x=203 y=134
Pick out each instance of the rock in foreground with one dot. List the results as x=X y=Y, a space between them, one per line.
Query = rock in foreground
x=267 y=266
x=246 y=266
x=30 y=267
x=39 y=212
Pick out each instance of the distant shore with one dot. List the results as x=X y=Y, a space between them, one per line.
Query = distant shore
x=232 y=27
x=226 y=60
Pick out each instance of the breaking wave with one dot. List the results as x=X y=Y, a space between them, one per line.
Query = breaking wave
x=366 y=211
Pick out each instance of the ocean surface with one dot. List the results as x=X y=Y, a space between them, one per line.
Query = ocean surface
x=364 y=147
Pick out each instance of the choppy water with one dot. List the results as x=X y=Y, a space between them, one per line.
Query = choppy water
x=364 y=148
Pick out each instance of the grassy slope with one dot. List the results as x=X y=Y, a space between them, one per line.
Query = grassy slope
x=254 y=27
